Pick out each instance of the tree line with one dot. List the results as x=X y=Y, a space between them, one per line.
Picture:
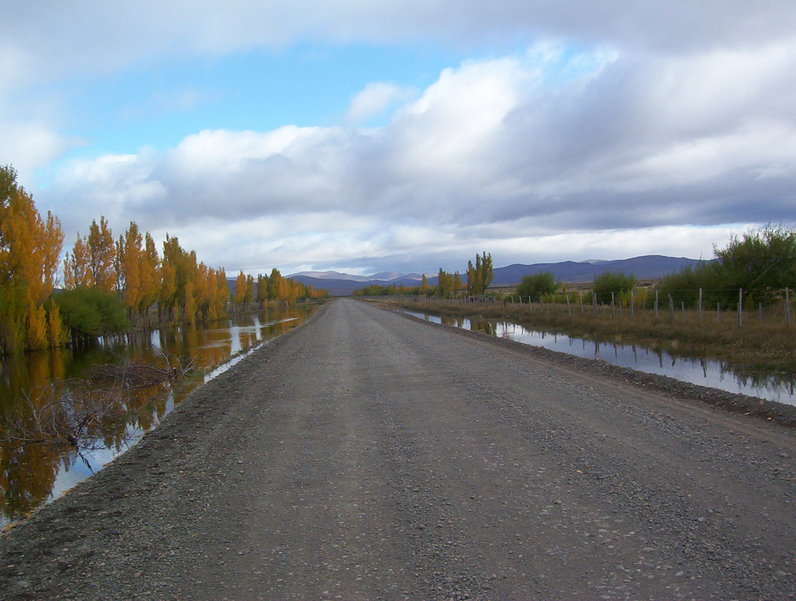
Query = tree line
x=757 y=267
x=109 y=284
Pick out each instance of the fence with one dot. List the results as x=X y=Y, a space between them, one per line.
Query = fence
x=698 y=304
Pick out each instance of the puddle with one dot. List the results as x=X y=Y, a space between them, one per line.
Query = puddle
x=704 y=372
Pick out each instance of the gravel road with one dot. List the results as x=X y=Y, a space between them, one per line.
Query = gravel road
x=367 y=455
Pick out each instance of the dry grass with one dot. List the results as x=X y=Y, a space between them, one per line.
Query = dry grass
x=768 y=343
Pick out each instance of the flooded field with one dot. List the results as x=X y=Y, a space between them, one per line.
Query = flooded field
x=65 y=422
x=705 y=372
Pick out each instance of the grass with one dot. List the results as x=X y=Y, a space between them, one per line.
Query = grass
x=767 y=343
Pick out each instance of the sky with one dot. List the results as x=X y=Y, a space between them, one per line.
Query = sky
x=366 y=137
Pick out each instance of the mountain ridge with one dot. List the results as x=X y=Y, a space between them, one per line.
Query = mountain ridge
x=645 y=267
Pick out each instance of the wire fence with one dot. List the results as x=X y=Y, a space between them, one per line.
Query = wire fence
x=702 y=305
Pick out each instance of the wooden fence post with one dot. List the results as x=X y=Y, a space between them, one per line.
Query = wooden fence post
x=656 y=304
x=699 y=307
x=787 y=306
x=740 y=307
x=671 y=307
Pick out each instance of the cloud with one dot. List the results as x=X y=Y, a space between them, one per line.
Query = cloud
x=104 y=36
x=29 y=145
x=501 y=154
x=673 y=119
x=375 y=99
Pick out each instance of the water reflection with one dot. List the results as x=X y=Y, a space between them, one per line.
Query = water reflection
x=705 y=372
x=33 y=473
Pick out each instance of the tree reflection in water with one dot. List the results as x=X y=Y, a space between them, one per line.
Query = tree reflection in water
x=59 y=421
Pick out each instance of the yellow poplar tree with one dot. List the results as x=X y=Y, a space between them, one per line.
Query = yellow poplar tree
x=101 y=255
x=36 y=327
x=130 y=260
x=29 y=250
x=222 y=293
x=150 y=283
x=56 y=332
x=77 y=272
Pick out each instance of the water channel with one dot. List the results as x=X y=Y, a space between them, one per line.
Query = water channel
x=705 y=372
x=31 y=474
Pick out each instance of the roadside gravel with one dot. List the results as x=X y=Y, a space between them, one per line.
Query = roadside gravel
x=366 y=455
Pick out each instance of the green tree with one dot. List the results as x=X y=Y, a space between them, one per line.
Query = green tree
x=537 y=285
x=610 y=281
x=89 y=312
x=262 y=288
x=761 y=262
x=445 y=284
x=479 y=276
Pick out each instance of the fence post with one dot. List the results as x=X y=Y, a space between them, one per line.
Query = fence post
x=580 y=300
x=787 y=306
x=656 y=304
x=718 y=312
x=569 y=312
x=699 y=307
x=632 y=301
x=740 y=307
x=671 y=307
x=612 y=305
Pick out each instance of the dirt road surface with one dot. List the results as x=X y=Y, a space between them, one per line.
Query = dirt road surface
x=366 y=455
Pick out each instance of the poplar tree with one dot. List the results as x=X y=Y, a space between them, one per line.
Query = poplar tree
x=479 y=276
x=29 y=251
x=240 y=290
x=131 y=260
x=76 y=266
x=101 y=255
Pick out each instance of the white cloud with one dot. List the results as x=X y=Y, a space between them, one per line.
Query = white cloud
x=493 y=155
x=672 y=119
x=28 y=146
x=108 y=35
x=376 y=98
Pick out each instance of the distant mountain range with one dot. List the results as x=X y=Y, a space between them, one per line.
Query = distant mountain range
x=648 y=267
x=385 y=276
x=345 y=284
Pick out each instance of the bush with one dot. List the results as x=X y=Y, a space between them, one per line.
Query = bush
x=537 y=285
x=609 y=282
x=762 y=263
x=91 y=312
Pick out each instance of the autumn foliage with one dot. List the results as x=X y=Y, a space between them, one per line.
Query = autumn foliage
x=109 y=284
x=29 y=250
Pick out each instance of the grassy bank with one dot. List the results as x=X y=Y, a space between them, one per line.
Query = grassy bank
x=754 y=345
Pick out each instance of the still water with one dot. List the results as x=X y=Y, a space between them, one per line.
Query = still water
x=705 y=372
x=31 y=474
